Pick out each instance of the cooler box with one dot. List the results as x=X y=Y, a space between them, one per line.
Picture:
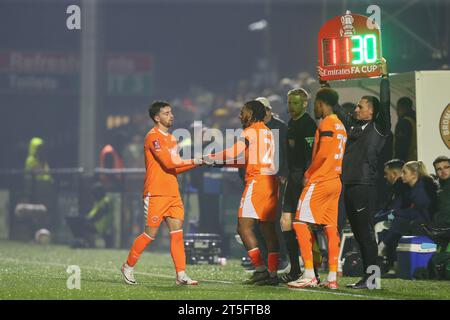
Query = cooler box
x=413 y=252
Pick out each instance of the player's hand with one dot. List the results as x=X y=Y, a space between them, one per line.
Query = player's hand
x=382 y=63
x=208 y=161
x=198 y=161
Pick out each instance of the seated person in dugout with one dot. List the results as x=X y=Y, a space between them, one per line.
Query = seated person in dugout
x=417 y=206
x=439 y=229
x=394 y=183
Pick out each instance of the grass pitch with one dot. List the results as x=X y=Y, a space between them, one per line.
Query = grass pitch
x=29 y=271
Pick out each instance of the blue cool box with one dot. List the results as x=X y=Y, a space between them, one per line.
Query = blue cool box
x=413 y=252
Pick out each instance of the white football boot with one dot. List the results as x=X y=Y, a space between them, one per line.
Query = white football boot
x=128 y=274
x=183 y=279
x=303 y=282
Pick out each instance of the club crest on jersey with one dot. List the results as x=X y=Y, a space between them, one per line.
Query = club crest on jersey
x=156 y=145
x=154 y=219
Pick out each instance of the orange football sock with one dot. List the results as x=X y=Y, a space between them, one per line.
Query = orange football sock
x=139 y=245
x=333 y=247
x=256 y=258
x=272 y=262
x=305 y=244
x=177 y=250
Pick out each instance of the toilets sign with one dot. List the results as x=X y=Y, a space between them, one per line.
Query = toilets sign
x=349 y=47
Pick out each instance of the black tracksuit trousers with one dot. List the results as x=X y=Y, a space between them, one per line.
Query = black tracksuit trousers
x=359 y=205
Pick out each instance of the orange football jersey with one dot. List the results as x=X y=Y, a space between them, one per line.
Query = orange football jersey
x=162 y=164
x=328 y=150
x=258 y=143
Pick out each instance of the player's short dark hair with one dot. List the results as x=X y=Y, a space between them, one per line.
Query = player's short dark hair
x=258 y=110
x=328 y=96
x=374 y=102
x=395 y=164
x=440 y=159
x=156 y=107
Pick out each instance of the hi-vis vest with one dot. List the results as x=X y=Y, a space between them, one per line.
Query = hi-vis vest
x=117 y=162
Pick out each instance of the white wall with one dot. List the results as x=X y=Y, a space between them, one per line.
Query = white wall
x=432 y=97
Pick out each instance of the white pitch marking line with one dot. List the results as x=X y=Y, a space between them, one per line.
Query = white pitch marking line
x=212 y=281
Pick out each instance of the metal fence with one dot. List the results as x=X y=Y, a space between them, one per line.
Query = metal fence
x=210 y=197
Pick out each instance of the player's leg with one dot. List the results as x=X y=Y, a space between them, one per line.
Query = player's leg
x=140 y=243
x=333 y=239
x=290 y=240
x=245 y=231
x=247 y=216
x=144 y=239
x=175 y=224
x=330 y=220
x=305 y=242
x=304 y=216
x=269 y=233
x=290 y=202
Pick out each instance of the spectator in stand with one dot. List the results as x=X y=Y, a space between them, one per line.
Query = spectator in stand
x=111 y=158
x=405 y=139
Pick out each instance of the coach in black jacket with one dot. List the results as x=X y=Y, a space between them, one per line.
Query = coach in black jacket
x=367 y=134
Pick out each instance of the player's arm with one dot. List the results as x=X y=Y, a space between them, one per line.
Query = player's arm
x=230 y=155
x=168 y=160
x=346 y=118
x=323 y=151
x=186 y=168
x=383 y=118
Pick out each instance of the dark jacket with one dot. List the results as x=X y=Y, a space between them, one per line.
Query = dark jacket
x=394 y=198
x=419 y=203
x=300 y=142
x=365 y=141
x=442 y=215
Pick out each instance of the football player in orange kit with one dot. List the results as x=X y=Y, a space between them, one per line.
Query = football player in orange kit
x=322 y=186
x=161 y=197
x=260 y=197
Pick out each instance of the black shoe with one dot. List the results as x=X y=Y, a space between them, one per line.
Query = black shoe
x=361 y=284
x=258 y=276
x=318 y=278
x=271 y=281
x=316 y=272
x=289 y=277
